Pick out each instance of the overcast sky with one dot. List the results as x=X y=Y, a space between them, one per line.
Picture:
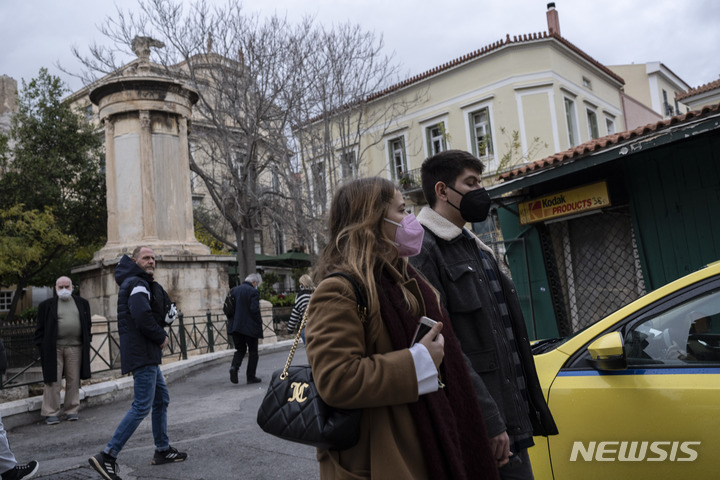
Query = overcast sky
x=683 y=34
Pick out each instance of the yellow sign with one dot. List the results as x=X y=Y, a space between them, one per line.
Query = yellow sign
x=571 y=202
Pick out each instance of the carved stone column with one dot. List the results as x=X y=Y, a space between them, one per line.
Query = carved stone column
x=113 y=236
x=147 y=183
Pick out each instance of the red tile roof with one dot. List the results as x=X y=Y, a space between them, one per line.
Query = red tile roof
x=527 y=38
x=598 y=144
x=697 y=90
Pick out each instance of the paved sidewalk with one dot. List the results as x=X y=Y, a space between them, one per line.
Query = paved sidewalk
x=211 y=419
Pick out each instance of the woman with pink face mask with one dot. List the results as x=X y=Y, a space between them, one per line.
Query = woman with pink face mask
x=421 y=418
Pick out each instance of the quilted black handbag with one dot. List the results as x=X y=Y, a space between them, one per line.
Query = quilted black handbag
x=293 y=410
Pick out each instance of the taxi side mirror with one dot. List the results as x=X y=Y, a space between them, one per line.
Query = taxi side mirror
x=608 y=353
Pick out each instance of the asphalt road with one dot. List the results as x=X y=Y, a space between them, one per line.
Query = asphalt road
x=211 y=419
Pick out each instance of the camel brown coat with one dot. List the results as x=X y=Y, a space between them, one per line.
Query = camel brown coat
x=352 y=371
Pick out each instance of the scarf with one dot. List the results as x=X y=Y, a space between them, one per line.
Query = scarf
x=449 y=422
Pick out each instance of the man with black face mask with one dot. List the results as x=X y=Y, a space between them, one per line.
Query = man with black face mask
x=484 y=309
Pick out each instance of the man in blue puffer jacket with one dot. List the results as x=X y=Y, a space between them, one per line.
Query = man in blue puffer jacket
x=142 y=340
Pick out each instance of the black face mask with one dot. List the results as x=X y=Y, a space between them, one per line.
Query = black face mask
x=474 y=206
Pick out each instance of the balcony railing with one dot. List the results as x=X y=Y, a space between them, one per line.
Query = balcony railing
x=410 y=181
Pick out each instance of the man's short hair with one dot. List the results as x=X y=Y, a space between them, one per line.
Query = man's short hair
x=446 y=167
x=253 y=278
x=136 y=252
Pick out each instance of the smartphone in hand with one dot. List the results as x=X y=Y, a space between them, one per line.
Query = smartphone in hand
x=424 y=326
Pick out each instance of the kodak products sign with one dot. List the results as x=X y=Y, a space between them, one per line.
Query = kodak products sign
x=570 y=202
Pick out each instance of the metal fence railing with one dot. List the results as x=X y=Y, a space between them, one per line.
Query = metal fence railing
x=189 y=336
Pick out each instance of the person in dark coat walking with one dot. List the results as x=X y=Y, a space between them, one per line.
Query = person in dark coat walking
x=142 y=340
x=246 y=327
x=63 y=335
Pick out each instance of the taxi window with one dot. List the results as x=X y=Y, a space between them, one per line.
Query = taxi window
x=688 y=333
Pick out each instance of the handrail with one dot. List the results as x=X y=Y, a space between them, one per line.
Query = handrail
x=192 y=334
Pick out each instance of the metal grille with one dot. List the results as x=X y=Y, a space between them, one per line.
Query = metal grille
x=490 y=234
x=598 y=270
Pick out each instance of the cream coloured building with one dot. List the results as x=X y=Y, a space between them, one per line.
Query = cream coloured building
x=655 y=86
x=519 y=99
x=703 y=96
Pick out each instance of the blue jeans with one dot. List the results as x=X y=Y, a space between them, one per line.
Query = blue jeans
x=150 y=391
x=7 y=459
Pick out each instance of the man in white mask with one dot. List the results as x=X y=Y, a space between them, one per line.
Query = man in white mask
x=63 y=337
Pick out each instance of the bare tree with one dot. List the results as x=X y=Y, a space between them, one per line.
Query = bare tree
x=257 y=79
x=352 y=109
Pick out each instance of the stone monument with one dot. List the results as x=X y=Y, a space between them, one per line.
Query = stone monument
x=146 y=116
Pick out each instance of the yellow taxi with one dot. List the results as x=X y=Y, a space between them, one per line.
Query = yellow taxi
x=637 y=394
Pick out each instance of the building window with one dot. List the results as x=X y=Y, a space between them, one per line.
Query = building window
x=279 y=239
x=669 y=110
x=275 y=179
x=587 y=83
x=398 y=159
x=5 y=301
x=436 y=138
x=348 y=164
x=592 y=124
x=237 y=160
x=610 y=124
x=319 y=183
x=481 y=135
x=571 y=119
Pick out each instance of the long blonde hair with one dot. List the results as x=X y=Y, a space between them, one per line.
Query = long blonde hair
x=306 y=282
x=357 y=243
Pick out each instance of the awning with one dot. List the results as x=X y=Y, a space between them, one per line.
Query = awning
x=607 y=149
x=284 y=260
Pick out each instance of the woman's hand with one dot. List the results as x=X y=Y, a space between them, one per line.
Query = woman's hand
x=435 y=346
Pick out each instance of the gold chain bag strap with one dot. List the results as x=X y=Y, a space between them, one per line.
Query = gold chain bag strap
x=292 y=408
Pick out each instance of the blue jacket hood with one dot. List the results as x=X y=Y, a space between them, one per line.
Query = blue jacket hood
x=126 y=268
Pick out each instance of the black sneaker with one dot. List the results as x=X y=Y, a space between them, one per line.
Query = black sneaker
x=105 y=465
x=22 y=471
x=52 y=420
x=168 y=456
x=233 y=375
x=254 y=380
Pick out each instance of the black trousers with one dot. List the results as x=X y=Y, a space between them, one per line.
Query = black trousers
x=243 y=344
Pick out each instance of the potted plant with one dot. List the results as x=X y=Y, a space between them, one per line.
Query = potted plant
x=407 y=182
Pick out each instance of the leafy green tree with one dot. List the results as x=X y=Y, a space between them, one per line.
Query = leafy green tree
x=53 y=164
x=29 y=239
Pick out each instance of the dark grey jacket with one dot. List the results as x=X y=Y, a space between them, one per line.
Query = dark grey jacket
x=247 y=320
x=141 y=335
x=452 y=263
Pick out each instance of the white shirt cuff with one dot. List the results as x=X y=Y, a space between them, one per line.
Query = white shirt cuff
x=427 y=374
